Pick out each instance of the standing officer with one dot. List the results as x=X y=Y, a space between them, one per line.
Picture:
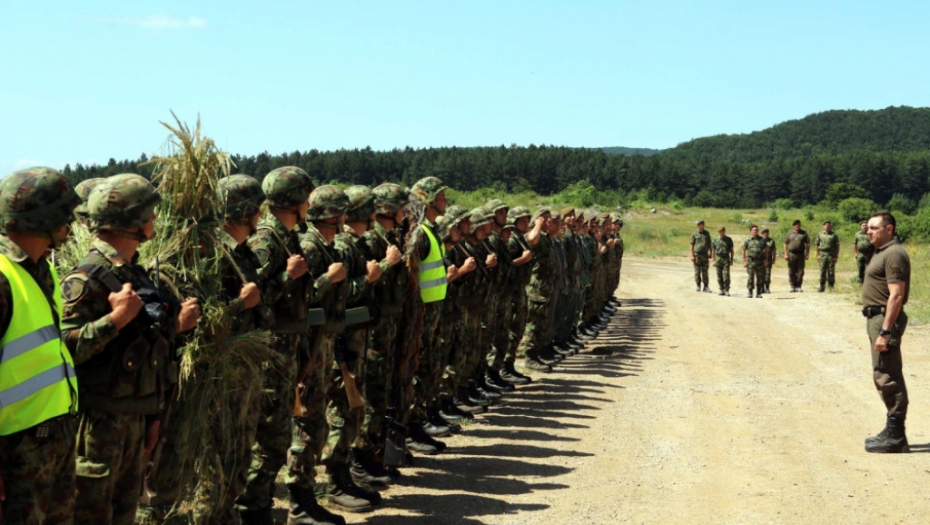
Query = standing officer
x=121 y=330
x=884 y=294
x=772 y=247
x=700 y=253
x=38 y=386
x=754 y=256
x=722 y=251
x=828 y=251
x=862 y=249
x=797 y=250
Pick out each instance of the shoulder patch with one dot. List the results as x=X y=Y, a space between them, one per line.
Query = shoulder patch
x=74 y=287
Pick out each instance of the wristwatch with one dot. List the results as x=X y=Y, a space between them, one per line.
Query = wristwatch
x=882 y=331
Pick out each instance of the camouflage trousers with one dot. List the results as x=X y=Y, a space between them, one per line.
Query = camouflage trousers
x=500 y=346
x=109 y=467
x=517 y=325
x=344 y=421
x=796 y=269
x=768 y=273
x=827 y=270
x=590 y=308
x=447 y=332
x=462 y=331
x=475 y=339
x=862 y=262
x=275 y=424
x=378 y=380
x=755 y=275
x=38 y=473
x=538 y=327
x=723 y=274
x=888 y=368
x=488 y=333
x=701 y=267
x=166 y=483
x=311 y=430
x=568 y=312
x=427 y=378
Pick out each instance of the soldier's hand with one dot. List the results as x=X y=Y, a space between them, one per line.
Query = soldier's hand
x=393 y=255
x=296 y=266
x=126 y=305
x=881 y=343
x=151 y=436
x=250 y=295
x=469 y=266
x=374 y=271
x=527 y=253
x=491 y=261
x=745 y=264
x=336 y=273
x=452 y=273
x=692 y=258
x=786 y=256
x=190 y=314
x=539 y=221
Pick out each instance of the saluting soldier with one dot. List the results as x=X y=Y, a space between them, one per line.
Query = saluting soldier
x=38 y=386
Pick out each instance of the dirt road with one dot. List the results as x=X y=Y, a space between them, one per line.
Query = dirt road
x=690 y=408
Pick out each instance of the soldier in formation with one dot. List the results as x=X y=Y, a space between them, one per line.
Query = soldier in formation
x=722 y=253
x=700 y=256
x=755 y=258
x=828 y=251
x=395 y=318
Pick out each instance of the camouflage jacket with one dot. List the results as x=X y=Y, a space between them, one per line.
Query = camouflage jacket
x=389 y=290
x=477 y=284
x=772 y=247
x=39 y=271
x=503 y=273
x=319 y=255
x=515 y=247
x=573 y=259
x=723 y=246
x=242 y=263
x=755 y=250
x=701 y=243
x=545 y=270
x=273 y=245
x=358 y=292
x=828 y=244
x=863 y=245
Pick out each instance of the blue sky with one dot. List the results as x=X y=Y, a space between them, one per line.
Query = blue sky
x=86 y=81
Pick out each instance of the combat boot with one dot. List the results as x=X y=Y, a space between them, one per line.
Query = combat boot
x=509 y=374
x=421 y=448
x=722 y=292
x=343 y=493
x=750 y=293
x=698 y=289
x=830 y=287
x=488 y=393
x=435 y=430
x=533 y=363
x=477 y=397
x=305 y=510
x=450 y=410
x=463 y=402
x=891 y=440
x=547 y=356
x=366 y=471
x=759 y=293
x=562 y=350
x=706 y=289
x=494 y=382
x=419 y=436
x=821 y=289
x=794 y=289
x=445 y=419
x=728 y=292
x=257 y=517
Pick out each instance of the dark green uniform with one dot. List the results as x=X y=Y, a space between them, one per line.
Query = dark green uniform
x=772 y=248
x=864 y=250
x=798 y=244
x=701 y=243
x=723 y=251
x=539 y=292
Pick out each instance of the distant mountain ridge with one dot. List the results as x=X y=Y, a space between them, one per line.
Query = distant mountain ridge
x=894 y=129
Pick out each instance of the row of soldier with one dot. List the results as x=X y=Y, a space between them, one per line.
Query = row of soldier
x=760 y=252
x=396 y=318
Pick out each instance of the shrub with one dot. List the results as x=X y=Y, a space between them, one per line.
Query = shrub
x=856 y=209
x=783 y=204
x=809 y=214
x=901 y=203
x=773 y=217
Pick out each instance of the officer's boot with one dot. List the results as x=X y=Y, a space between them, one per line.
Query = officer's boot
x=891 y=440
x=256 y=517
x=449 y=409
x=342 y=492
x=728 y=292
x=366 y=471
x=477 y=396
x=707 y=288
x=509 y=374
x=305 y=510
x=548 y=356
x=722 y=291
x=698 y=289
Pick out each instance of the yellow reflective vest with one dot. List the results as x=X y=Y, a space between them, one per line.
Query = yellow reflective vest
x=37 y=379
x=433 y=270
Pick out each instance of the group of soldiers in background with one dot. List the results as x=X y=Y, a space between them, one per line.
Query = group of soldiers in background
x=396 y=316
x=760 y=253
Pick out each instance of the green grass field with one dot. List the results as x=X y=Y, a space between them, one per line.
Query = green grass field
x=666 y=233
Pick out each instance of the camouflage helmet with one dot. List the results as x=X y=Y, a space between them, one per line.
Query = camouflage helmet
x=327 y=202
x=496 y=204
x=240 y=196
x=83 y=190
x=287 y=186
x=427 y=189
x=457 y=211
x=519 y=211
x=37 y=201
x=390 y=198
x=444 y=225
x=480 y=216
x=615 y=217
x=510 y=224
x=122 y=202
x=540 y=211
x=361 y=203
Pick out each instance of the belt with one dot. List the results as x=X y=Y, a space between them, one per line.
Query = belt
x=871 y=311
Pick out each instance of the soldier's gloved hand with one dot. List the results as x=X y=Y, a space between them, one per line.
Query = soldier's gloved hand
x=491 y=261
x=125 y=304
x=190 y=314
x=250 y=295
x=296 y=266
x=374 y=271
x=393 y=255
x=336 y=273
x=469 y=266
x=151 y=436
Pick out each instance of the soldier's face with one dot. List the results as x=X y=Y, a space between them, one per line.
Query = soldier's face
x=455 y=235
x=827 y=228
x=522 y=224
x=754 y=232
x=569 y=220
x=440 y=203
x=797 y=228
x=59 y=237
x=722 y=233
x=864 y=227
x=465 y=226
x=149 y=229
x=701 y=227
x=500 y=217
x=302 y=211
x=506 y=233
x=765 y=235
x=482 y=232
x=879 y=235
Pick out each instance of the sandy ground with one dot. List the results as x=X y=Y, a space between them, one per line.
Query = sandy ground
x=690 y=408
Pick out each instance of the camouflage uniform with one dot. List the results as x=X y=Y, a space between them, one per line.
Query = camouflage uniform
x=521 y=279
x=864 y=251
x=539 y=292
x=755 y=263
x=118 y=399
x=723 y=246
x=455 y=312
x=590 y=246
x=273 y=244
x=501 y=288
x=828 y=249
x=772 y=247
x=701 y=242
x=36 y=464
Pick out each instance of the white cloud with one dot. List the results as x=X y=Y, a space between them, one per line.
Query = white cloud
x=158 y=21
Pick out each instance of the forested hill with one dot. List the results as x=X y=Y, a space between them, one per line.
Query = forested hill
x=838 y=132
x=629 y=152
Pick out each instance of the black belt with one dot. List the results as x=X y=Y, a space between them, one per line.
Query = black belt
x=871 y=311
